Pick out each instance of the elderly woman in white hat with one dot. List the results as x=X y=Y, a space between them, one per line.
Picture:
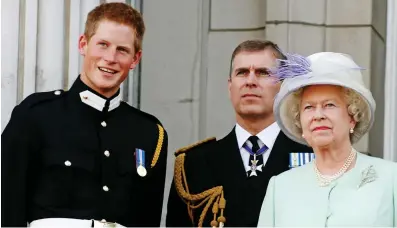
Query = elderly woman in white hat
x=324 y=103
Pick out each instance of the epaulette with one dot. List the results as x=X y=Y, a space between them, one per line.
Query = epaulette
x=195 y=145
x=40 y=97
x=211 y=197
x=145 y=114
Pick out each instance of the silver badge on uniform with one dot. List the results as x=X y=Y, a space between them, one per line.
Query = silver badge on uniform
x=140 y=162
x=297 y=159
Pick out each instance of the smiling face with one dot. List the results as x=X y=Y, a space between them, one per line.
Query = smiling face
x=251 y=90
x=324 y=115
x=108 y=56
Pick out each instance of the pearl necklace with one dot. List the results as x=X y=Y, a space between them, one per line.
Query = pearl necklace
x=325 y=180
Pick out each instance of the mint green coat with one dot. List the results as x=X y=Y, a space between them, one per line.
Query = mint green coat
x=364 y=196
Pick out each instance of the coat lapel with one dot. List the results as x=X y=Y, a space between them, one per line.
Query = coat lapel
x=227 y=161
x=229 y=171
x=278 y=159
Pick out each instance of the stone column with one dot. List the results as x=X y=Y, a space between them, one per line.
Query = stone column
x=390 y=133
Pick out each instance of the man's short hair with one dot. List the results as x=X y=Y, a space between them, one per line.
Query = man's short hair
x=116 y=12
x=255 y=46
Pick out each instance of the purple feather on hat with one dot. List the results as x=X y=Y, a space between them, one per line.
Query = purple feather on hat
x=294 y=65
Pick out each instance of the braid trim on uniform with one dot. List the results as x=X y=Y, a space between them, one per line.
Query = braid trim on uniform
x=184 y=149
x=193 y=200
x=159 y=145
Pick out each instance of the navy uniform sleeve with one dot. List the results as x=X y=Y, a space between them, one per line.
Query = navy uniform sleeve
x=17 y=145
x=159 y=174
x=188 y=175
x=177 y=211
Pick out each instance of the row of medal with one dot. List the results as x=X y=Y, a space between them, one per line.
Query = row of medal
x=295 y=160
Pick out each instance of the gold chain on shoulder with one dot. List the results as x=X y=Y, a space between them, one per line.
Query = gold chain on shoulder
x=159 y=145
x=207 y=196
x=183 y=149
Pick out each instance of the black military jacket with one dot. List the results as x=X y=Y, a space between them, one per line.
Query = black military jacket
x=72 y=155
x=217 y=164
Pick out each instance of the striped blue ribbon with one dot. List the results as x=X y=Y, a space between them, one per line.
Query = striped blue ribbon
x=140 y=157
x=300 y=158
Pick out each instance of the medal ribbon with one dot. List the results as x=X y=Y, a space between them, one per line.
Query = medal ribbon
x=140 y=157
x=261 y=151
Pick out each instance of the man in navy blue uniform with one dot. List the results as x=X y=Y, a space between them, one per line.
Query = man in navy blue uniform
x=223 y=182
x=84 y=158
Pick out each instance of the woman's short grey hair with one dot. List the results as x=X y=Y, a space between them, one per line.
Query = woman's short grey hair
x=355 y=106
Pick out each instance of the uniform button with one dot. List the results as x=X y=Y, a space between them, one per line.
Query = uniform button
x=105 y=188
x=103 y=124
x=68 y=163
x=57 y=92
x=107 y=153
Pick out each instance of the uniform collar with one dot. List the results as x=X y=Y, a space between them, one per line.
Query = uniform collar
x=91 y=98
x=267 y=136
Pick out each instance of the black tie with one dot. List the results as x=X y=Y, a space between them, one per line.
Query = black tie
x=254 y=141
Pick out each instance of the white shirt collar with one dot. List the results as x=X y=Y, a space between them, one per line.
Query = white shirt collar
x=267 y=136
x=98 y=102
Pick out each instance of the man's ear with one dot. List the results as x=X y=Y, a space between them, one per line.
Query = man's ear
x=136 y=60
x=229 y=86
x=83 y=43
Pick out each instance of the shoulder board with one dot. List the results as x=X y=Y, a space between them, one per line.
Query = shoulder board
x=147 y=115
x=40 y=97
x=197 y=144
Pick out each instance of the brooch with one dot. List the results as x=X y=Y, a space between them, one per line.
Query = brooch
x=368 y=175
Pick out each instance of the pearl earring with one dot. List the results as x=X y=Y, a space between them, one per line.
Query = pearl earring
x=351 y=130
x=303 y=136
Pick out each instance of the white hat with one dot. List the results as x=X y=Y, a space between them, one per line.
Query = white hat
x=324 y=68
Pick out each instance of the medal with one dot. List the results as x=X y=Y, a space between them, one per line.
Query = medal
x=254 y=163
x=141 y=171
x=300 y=158
x=255 y=167
x=140 y=162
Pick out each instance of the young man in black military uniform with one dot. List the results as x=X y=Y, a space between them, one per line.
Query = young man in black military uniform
x=223 y=183
x=84 y=158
